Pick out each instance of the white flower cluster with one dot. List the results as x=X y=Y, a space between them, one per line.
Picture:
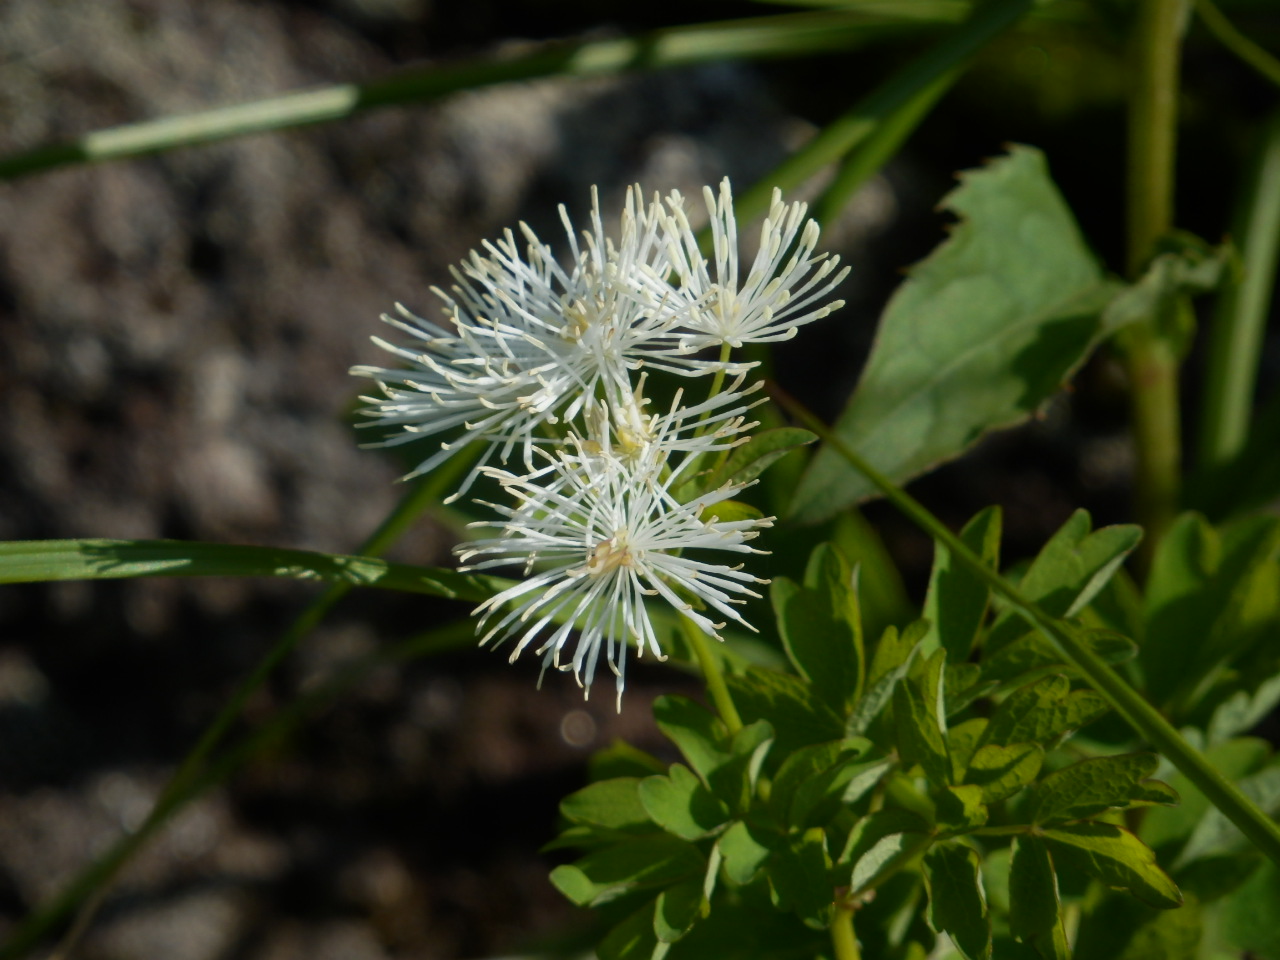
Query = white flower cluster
x=543 y=364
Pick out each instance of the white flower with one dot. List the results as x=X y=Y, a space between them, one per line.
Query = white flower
x=782 y=290
x=533 y=342
x=600 y=537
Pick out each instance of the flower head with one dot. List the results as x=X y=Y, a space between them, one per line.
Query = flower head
x=782 y=290
x=600 y=537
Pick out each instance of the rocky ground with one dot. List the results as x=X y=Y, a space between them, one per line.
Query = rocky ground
x=176 y=334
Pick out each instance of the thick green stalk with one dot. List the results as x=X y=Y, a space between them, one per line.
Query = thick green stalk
x=716 y=687
x=1239 y=323
x=1142 y=716
x=843 y=940
x=1149 y=355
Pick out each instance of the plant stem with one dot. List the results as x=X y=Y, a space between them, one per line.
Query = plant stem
x=1239 y=324
x=716 y=687
x=1142 y=716
x=1149 y=356
x=1235 y=41
x=843 y=938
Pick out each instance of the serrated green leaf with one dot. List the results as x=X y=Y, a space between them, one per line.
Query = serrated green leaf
x=1243 y=710
x=1069 y=572
x=798 y=716
x=635 y=864
x=964 y=686
x=1033 y=889
x=978 y=337
x=957 y=601
x=681 y=805
x=798 y=875
x=1042 y=712
x=745 y=849
x=677 y=909
x=1116 y=857
x=960 y=808
x=957 y=903
x=805 y=763
x=1033 y=651
x=921 y=737
x=881 y=842
x=821 y=627
x=1003 y=771
x=1089 y=787
x=612 y=804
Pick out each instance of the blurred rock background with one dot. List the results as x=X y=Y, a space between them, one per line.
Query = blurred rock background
x=175 y=334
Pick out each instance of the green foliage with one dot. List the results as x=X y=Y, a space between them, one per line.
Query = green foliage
x=978 y=337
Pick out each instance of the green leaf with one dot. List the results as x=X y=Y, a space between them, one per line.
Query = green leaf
x=745 y=849
x=612 y=804
x=31 y=561
x=819 y=799
x=1034 y=652
x=729 y=511
x=821 y=627
x=962 y=742
x=798 y=876
x=634 y=938
x=680 y=804
x=1003 y=771
x=1069 y=572
x=1247 y=918
x=1042 y=712
x=961 y=808
x=1167 y=829
x=1211 y=597
x=957 y=903
x=1244 y=710
x=1117 y=858
x=677 y=909
x=1033 y=889
x=696 y=731
x=920 y=729
x=957 y=601
x=893 y=657
x=640 y=863
x=621 y=759
x=748 y=460
x=978 y=337
x=1089 y=787
x=880 y=843
x=798 y=716
x=1216 y=836
x=1186 y=265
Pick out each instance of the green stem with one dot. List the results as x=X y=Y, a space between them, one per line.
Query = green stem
x=1235 y=41
x=843 y=940
x=1149 y=356
x=716 y=687
x=1239 y=324
x=1142 y=716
